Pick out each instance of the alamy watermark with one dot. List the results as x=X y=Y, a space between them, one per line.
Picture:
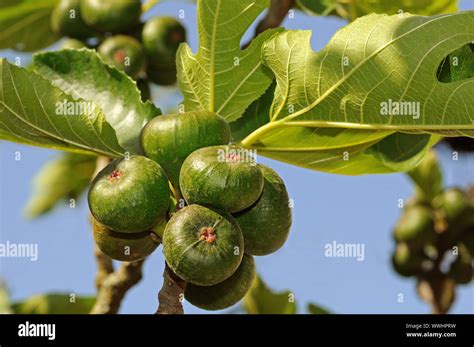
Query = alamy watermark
x=345 y=250
x=400 y=108
x=235 y=154
x=19 y=250
x=74 y=108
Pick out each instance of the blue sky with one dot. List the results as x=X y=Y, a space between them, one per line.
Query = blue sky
x=327 y=208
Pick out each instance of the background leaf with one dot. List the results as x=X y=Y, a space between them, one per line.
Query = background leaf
x=221 y=77
x=328 y=108
x=364 y=7
x=262 y=300
x=65 y=177
x=54 y=303
x=316 y=309
x=25 y=26
x=112 y=90
x=28 y=115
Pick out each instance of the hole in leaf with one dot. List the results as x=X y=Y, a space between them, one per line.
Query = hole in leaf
x=458 y=65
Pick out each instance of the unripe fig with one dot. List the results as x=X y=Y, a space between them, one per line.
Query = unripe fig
x=202 y=246
x=66 y=20
x=224 y=177
x=266 y=224
x=170 y=139
x=454 y=204
x=161 y=37
x=416 y=227
x=407 y=262
x=130 y=195
x=125 y=246
x=123 y=52
x=163 y=76
x=112 y=16
x=72 y=44
x=461 y=268
x=226 y=293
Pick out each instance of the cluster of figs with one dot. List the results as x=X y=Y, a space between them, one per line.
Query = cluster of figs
x=436 y=236
x=208 y=202
x=145 y=51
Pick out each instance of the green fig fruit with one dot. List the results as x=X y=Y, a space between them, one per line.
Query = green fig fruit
x=123 y=52
x=416 y=227
x=161 y=37
x=224 y=177
x=111 y=15
x=130 y=195
x=202 y=246
x=266 y=224
x=125 y=246
x=226 y=293
x=66 y=20
x=170 y=139
x=407 y=262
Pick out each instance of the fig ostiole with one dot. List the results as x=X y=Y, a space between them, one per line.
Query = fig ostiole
x=130 y=195
x=125 y=246
x=226 y=293
x=203 y=246
x=266 y=224
x=224 y=177
x=170 y=139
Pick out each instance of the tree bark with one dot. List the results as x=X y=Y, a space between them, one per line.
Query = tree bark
x=171 y=293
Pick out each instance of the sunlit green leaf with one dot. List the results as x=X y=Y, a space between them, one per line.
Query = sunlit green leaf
x=112 y=90
x=34 y=112
x=332 y=103
x=221 y=77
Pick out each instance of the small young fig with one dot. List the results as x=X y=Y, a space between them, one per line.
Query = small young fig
x=124 y=246
x=407 y=262
x=202 y=246
x=454 y=205
x=111 y=16
x=66 y=20
x=226 y=293
x=123 y=52
x=161 y=37
x=266 y=224
x=461 y=270
x=130 y=195
x=224 y=177
x=170 y=139
x=416 y=227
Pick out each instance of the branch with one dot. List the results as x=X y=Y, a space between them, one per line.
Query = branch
x=275 y=15
x=171 y=294
x=115 y=286
x=104 y=268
